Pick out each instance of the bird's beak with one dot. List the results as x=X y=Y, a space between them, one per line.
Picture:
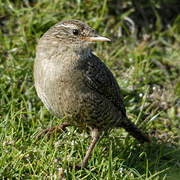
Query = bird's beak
x=97 y=38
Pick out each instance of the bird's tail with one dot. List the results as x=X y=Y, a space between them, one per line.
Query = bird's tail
x=135 y=131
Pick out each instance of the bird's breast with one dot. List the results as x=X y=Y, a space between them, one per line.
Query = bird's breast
x=59 y=85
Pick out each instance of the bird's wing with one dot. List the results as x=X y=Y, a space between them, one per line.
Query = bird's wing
x=99 y=78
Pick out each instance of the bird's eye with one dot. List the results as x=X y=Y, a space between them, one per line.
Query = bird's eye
x=75 y=32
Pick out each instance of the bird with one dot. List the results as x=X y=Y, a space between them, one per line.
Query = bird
x=74 y=84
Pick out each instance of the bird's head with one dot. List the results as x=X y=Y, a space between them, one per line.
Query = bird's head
x=75 y=34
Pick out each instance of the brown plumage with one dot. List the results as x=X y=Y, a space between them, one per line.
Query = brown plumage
x=72 y=82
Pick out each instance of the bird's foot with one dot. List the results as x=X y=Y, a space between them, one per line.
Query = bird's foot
x=77 y=166
x=51 y=131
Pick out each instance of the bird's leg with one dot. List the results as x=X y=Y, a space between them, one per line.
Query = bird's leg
x=95 y=136
x=52 y=130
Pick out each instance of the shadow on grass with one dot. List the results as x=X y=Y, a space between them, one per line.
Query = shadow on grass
x=156 y=159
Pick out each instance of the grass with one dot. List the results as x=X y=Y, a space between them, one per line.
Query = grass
x=146 y=65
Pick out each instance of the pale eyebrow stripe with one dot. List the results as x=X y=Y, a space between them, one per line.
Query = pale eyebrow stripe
x=68 y=25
